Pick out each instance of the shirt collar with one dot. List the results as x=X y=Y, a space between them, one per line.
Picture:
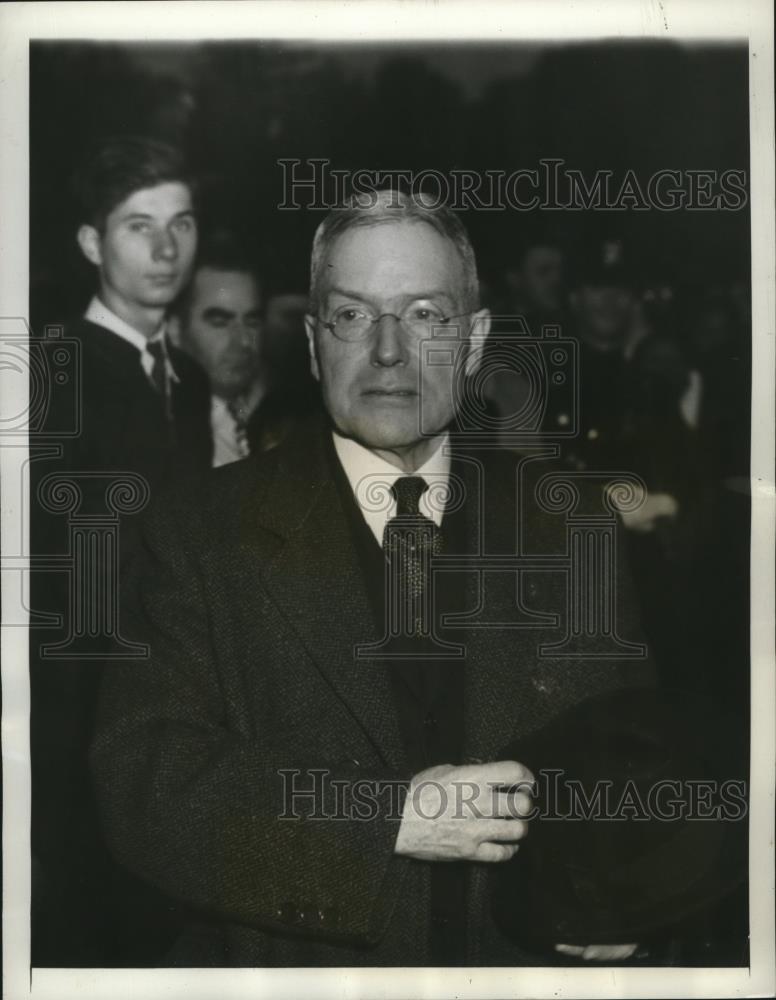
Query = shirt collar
x=371 y=477
x=97 y=312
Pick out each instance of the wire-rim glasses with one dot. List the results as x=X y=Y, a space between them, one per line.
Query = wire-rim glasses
x=420 y=319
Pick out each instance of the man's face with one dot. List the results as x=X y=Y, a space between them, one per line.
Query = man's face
x=146 y=250
x=605 y=312
x=541 y=277
x=374 y=389
x=221 y=328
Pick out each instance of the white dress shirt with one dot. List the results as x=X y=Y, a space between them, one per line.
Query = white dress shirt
x=371 y=478
x=100 y=314
x=228 y=444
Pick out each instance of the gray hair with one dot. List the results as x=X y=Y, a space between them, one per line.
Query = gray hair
x=373 y=208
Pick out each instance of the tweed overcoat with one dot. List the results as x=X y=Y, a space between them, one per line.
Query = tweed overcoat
x=249 y=594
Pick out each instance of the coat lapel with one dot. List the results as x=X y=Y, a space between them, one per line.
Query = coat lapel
x=499 y=694
x=316 y=579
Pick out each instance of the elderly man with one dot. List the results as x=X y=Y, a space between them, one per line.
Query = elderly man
x=309 y=758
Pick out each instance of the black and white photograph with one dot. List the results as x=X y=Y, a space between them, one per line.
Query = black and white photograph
x=387 y=442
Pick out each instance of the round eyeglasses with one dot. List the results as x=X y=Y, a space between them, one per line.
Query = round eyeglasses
x=420 y=320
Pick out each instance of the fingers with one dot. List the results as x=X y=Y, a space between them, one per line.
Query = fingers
x=473 y=812
x=608 y=952
x=655 y=506
x=501 y=789
x=511 y=805
x=494 y=853
x=501 y=830
x=499 y=772
x=598 y=952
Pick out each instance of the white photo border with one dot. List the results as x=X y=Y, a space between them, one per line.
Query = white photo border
x=325 y=20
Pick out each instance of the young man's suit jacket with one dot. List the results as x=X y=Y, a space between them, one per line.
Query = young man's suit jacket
x=251 y=598
x=123 y=429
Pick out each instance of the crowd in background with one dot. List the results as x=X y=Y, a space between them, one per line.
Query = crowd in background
x=662 y=390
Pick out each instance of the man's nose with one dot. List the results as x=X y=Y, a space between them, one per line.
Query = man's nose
x=389 y=342
x=238 y=343
x=165 y=247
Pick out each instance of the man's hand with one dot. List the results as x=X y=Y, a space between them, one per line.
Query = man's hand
x=643 y=520
x=598 y=952
x=469 y=813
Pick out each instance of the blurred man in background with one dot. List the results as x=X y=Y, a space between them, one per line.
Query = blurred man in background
x=219 y=321
x=535 y=283
x=606 y=321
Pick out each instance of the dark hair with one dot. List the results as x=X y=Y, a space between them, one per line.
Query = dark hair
x=114 y=168
x=220 y=251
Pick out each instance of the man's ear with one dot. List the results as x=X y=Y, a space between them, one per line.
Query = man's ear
x=309 y=327
x=479 y=334
x=90 y=243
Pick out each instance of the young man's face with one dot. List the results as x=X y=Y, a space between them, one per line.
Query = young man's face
x=146 y=251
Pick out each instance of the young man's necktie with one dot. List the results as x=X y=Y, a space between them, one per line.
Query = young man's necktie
x=158 y=373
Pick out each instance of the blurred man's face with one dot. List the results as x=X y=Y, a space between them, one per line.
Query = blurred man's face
x=146 y=251
x=605 y=313
x=221 y=329
x=381 y=391
x=539 y=280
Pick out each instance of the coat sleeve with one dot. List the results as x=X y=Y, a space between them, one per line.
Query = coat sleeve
x=202 y=811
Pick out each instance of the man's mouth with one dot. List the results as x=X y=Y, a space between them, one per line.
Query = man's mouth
x=401 y=392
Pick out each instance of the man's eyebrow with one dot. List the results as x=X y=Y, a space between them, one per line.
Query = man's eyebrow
x=346 y=293
x=216 y=312
x=148 y=215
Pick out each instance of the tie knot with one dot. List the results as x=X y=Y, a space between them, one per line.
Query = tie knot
x=155 y=349
x=408 y=490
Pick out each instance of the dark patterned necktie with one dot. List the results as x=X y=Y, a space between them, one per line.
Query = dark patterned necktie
x=409 y=541
x=158 y=374
x=240 y=427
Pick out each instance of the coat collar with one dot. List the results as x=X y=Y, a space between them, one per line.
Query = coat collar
x=314 y=575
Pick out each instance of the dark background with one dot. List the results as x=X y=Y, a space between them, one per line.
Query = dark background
x=239 y=107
